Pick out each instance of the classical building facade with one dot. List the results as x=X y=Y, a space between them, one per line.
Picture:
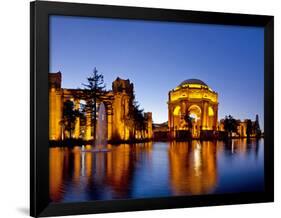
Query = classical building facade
x=241 y=128
x=192 y=106
x=193 y=112
x=117 y=101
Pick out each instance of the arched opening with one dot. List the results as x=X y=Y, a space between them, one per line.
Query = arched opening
x=177 y=117
x=195 y=112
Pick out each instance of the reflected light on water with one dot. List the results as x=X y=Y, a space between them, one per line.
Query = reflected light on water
x=155 y=169
x=193 y=168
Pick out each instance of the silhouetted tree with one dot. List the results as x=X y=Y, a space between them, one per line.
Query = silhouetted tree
x=230 y=125
x=95 y=89
x=256 y=127
x=135 y=118
x=189 y=121
x=69 y=116
x=249 y=128
x=138 y=116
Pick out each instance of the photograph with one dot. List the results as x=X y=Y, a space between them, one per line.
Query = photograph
x=147 y=109
x=140 y=108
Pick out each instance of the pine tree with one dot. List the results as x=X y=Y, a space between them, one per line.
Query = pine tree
x=230 y=125
x=94 y=90
x=257 y=127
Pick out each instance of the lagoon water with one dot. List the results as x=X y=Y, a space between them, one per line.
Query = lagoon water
x=156 y=169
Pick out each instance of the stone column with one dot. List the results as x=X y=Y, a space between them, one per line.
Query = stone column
x=120 y=130
x=215 y=123
x=55 y=114
x=169 y=120
x=109 y=124
x=88 y=131
x=117 y=116
x=148 y=133
x=127 y=128
x=77 y=121
x=205 y=115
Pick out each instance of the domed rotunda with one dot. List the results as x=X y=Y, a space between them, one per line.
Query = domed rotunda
x=193 y=108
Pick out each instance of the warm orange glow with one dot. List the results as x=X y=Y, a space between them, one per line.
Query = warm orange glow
x=211 y=111
x=77 y=122
x=88 y=134
x=197 y=101
x=177 y=111
x=194 y=109
x=77 y=164
x=55 y=108
x=88 y=163
x=118 y=107
x=56 y=172
x=193 y=92
x=193 y=167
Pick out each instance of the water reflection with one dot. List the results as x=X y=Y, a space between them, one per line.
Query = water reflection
x=156 y=169
x=193 y=167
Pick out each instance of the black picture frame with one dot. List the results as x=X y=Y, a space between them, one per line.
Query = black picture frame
x=39 y=68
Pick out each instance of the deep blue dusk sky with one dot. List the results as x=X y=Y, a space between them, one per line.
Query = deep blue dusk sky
x=157 y=56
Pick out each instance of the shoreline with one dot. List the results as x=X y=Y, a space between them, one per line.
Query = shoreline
x=79 y=142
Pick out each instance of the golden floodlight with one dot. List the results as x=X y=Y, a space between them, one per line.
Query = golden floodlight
x=195 y=99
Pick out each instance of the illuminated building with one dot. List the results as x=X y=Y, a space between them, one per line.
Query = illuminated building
x=195 y=100
x=118 y=103
x=242 y=128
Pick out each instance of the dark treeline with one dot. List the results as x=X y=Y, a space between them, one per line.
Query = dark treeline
x=231 y=126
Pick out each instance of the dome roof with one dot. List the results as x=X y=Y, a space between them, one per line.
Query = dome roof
x=193 y=81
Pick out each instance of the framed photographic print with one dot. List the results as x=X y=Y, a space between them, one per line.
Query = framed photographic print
x=140 y=108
